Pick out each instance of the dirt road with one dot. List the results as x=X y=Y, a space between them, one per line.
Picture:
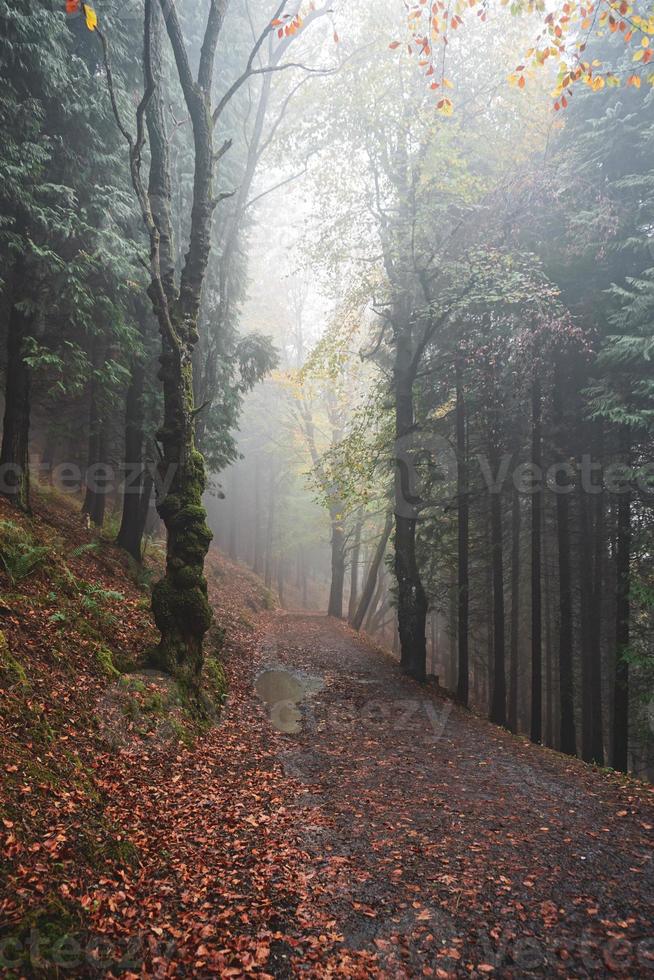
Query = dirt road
x=443 y=845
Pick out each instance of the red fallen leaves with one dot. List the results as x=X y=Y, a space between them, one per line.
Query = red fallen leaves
x=386 y=858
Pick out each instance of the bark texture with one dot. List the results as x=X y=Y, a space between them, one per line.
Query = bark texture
x=14 y=457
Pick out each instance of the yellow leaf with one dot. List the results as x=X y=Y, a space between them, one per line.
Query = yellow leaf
x=91 y=17
x=638 y=56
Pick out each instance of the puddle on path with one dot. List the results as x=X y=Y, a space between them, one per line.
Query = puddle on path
x=283 y=691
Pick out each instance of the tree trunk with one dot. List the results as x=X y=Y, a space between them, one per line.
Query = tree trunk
x=270 y=529
x=619 y=758
x=233 y=515
x=498 y=702
x=257 y=565
x=567 y=733
x=335 y=606
x=591 y=739
x=597 y=746
x=354 y=570
x=95 y=498
x=568 y=740
x=14 y=457
x=280 y=581
x=179 y=600
x=49 y=454
x=515 y=611
x=463 y=683
x=371 y=578
x=373 y=610
x=131 y=526
x=536 y=599
x=548 y=736
x=411 y=598
x=147 y=519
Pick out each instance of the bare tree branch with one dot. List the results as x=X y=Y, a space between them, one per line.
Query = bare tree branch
x=248 y=71
x=281 y=183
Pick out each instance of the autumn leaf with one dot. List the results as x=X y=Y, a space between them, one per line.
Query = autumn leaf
x=91 y=17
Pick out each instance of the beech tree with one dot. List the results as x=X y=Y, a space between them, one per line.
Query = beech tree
x=179 y=601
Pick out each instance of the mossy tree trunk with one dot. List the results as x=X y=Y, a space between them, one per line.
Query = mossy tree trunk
x=179 y=600
x=180 y=605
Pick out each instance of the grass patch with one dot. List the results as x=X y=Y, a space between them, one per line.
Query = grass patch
x=12 y=673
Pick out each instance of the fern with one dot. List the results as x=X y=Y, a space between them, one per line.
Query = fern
x=19 y=554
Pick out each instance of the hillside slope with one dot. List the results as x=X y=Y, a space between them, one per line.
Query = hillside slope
x=75 y=704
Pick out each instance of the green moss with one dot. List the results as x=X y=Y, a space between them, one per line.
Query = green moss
x=50 y=938
x=181 y=733
x=40 y=773
x=154 y=703
x=133 y=684
x=41 y=731
x=102 y=843
x=169 y=506
x=217 y=679
x=268 y=599
x=119 y=852
x=132 y=709
x=179 y=601
x=105 y=659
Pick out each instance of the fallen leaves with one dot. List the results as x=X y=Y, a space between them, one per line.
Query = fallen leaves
x=361 y=852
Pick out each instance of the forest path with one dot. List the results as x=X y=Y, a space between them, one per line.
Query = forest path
x=433 y=843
